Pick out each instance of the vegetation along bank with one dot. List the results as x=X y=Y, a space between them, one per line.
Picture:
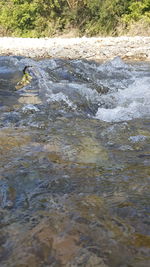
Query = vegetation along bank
x=47 y=18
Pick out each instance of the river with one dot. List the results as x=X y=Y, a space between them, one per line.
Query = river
x=75 y=163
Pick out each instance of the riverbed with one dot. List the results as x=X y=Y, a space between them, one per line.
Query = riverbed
x=75 y=162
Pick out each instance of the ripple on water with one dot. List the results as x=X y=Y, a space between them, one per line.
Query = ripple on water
x=74 y=168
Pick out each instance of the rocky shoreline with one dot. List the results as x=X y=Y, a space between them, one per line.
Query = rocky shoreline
x=95 y=48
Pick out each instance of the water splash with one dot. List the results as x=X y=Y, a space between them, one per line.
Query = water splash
x=130 y=103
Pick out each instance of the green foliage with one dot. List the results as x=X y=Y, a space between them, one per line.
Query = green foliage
x=31 y=17
x=39 y=18
x=107 y=17
x=138 y=10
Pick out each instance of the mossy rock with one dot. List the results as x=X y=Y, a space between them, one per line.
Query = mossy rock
x=26 y=79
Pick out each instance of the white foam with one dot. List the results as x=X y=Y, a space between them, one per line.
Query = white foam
x=137 y=138
x=130 y=103
x=29 y=108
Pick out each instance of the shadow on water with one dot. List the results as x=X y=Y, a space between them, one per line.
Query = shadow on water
x=75 y=163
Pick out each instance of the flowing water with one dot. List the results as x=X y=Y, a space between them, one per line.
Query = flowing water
x=75 y=163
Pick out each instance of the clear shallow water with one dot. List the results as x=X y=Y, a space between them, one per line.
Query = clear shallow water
x=75 y=163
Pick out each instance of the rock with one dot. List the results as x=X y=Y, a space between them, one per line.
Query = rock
x=87 y=259
x=91 y=151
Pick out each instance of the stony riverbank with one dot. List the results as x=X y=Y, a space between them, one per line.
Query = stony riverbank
x=96 y=48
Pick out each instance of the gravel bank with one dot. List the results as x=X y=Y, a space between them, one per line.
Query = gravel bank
x=128 y=48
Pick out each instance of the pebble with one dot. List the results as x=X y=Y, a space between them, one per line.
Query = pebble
x=94 y=48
